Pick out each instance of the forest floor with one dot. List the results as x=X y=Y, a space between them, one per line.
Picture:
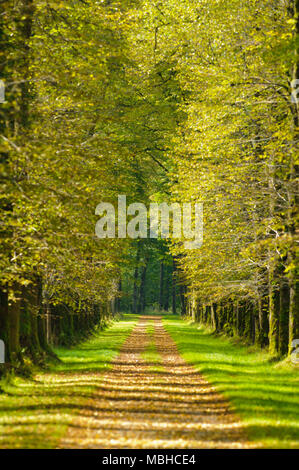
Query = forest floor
x=146 y=383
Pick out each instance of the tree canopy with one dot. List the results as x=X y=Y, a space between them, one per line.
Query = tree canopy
x=175 y=101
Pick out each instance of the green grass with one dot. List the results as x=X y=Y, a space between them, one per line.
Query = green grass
x=36 y=413
x=265 y=395
x=97 y=352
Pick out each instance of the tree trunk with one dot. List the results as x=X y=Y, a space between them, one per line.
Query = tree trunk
x=142 y=293
x=292 y=191
x=214 y=317
x=166 y=290
x=135 y=284
x=29 y=321
x=14 y=312
x=118 y=300
x=284 y=304
x=135 y=291
x=4 y=323
x=173 y=290
x=273 y=314
x=161 y=292
x=293 y=314
x=183 y=300
x=236 y=318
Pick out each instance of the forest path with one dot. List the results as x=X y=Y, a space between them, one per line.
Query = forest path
x=151 y=398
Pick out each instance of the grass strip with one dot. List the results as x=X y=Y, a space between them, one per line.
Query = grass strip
x=36 y=413
x=264 y=394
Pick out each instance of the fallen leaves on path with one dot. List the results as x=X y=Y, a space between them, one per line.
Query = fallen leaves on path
x=138 y=407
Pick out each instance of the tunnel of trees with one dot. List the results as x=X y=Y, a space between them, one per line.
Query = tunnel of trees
x=172 y=101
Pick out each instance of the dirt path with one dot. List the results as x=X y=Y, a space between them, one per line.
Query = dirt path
x=140 y=405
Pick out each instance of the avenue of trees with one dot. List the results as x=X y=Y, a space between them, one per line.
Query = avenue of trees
x=173 y=101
